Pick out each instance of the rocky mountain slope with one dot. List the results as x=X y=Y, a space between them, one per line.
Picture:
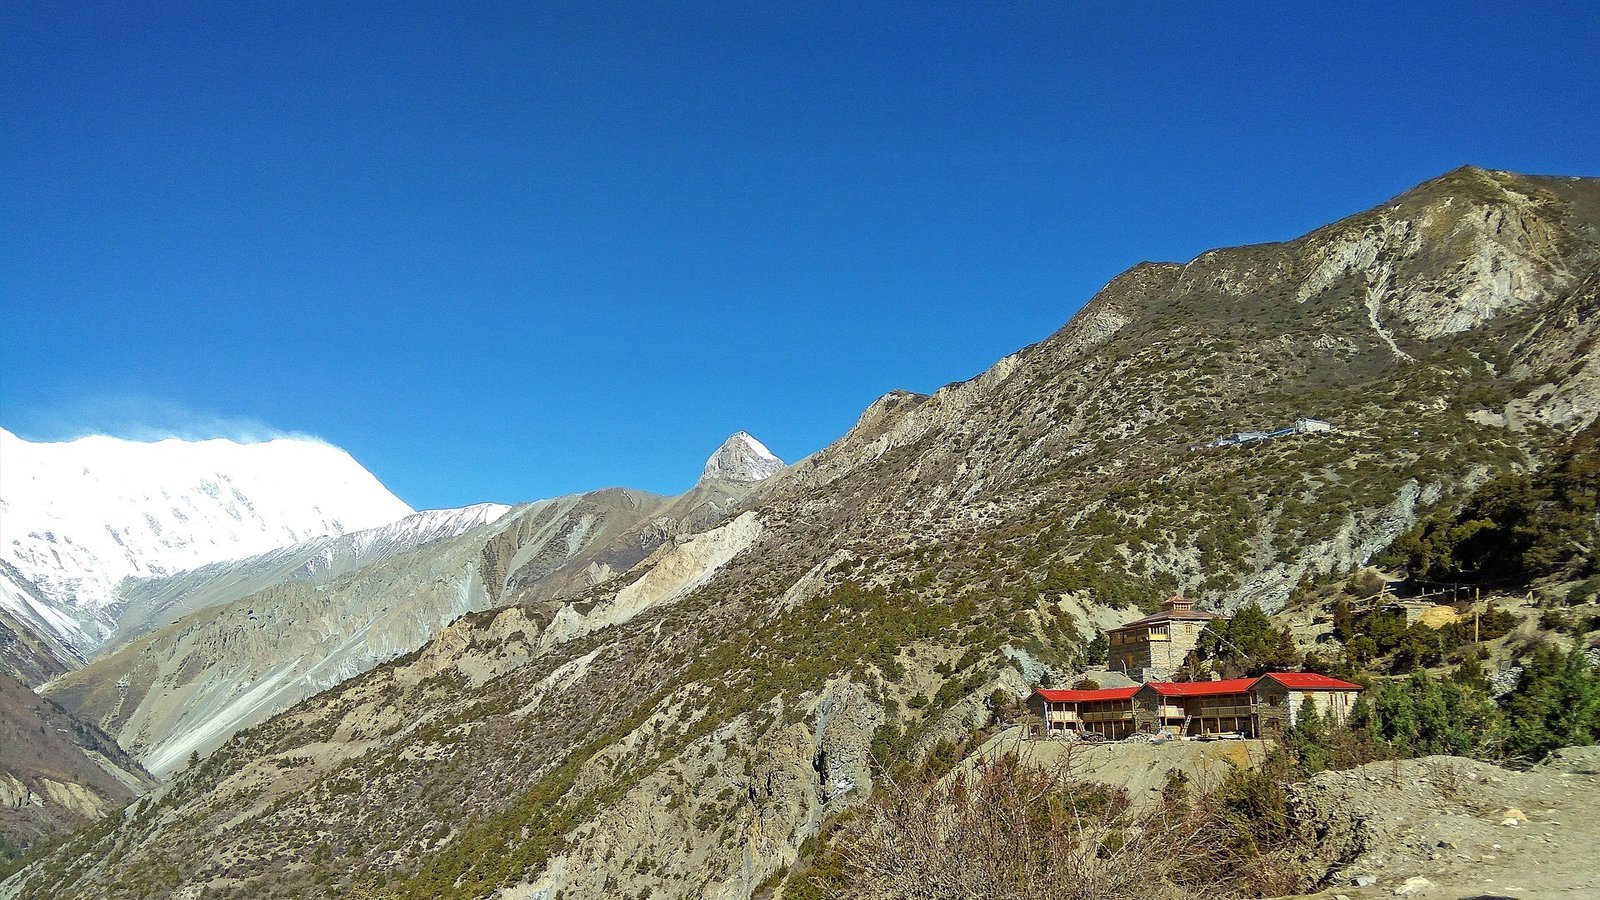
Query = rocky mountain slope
x=682 y=727
x=249 y=638
x=56 y=773
x=30 y=649
x=78 y=517
x=149 y=602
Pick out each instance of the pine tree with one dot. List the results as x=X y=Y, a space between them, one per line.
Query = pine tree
x=1394 y=716
x=1096 y=651
x=1557 y=704
x=1470 y=673
x=1343 y=620
x=1309 y=740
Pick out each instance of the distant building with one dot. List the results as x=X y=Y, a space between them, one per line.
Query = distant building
x=1279 y=696
x=1154 y=647
x=1196 y=707
x=1250 y=707
x=1302 y=425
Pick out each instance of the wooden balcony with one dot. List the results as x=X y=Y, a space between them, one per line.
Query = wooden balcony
x=1212 y=712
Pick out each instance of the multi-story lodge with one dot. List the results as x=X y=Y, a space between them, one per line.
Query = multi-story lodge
x=1107 y=712
x=1155 y=647
x=1251 y=707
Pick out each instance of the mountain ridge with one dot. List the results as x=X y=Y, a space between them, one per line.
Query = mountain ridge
x=879 y=591
x=246 y=638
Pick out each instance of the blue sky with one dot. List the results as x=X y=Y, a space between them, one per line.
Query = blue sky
x=502 y=252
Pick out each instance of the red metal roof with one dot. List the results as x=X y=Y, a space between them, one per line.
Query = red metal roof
x=1201 y=688
x=1063 y=696
x=1310 y=681
x=1297 y=681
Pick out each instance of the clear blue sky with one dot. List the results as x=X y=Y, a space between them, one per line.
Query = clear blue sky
x=502 y=252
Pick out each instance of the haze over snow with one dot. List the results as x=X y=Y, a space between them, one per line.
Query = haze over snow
x=77 y=517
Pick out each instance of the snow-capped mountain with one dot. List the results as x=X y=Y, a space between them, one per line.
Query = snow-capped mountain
x=741 y=458
x=78 y=517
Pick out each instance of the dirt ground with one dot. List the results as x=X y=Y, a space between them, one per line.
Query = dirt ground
x=1434 y=828
x=1140 y=768
x=1440 y=827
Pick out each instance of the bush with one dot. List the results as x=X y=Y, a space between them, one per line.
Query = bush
x=1011 y=830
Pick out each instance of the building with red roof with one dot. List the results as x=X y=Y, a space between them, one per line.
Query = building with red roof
x=1107 y=712
x=1250 y=707
x=1280 y=695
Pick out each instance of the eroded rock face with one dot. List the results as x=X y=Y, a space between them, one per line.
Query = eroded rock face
x=56 y=773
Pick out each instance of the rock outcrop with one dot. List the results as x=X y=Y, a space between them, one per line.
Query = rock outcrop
x=56 y=773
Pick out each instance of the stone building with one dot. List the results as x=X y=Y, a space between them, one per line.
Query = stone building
x=1155 y=647
x=1250 y=707
x=1278 y=697
x=1107 y=712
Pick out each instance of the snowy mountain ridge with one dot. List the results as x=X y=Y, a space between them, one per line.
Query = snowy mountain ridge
x=149 y=602
x=78 y=517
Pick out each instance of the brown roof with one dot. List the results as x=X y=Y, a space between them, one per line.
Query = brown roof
x=1170 y=615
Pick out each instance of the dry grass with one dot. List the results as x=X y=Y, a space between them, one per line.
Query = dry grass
x=1008 y=830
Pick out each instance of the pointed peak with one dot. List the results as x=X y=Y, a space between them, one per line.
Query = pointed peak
x=741 y=458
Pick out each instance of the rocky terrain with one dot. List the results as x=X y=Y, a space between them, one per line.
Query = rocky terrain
x=1440 y=827
x=56 y=773
x=30 y=652
x=147 y=603
x=678 y=713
